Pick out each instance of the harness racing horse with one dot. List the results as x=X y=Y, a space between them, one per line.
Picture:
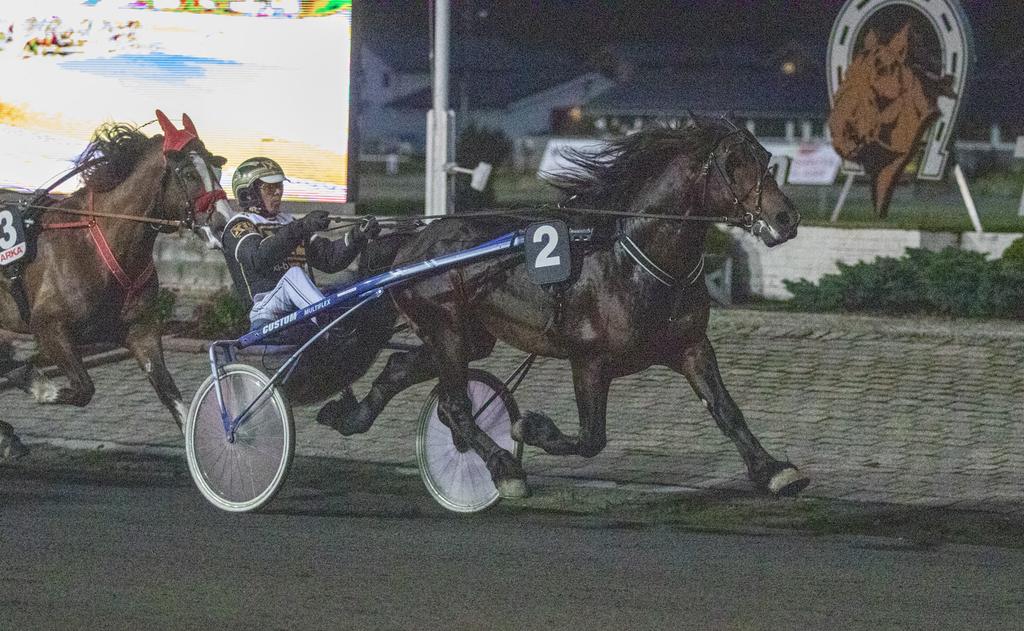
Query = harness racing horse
x=638 y=302
x=92 y=280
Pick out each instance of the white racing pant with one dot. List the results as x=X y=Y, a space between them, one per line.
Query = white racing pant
x=293 y=292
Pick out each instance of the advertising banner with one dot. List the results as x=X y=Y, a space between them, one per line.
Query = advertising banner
x=259 y=78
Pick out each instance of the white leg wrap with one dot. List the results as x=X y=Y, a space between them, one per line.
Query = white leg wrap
x=44 y=390
x=784 y=478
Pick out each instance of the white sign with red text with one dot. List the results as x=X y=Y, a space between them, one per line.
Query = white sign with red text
x=814 y=164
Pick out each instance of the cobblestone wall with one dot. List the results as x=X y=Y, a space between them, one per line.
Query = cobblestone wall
x=187 y=266
x=815 y=251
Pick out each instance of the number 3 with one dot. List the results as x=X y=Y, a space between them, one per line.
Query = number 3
x=8 y=236
x=544 y=258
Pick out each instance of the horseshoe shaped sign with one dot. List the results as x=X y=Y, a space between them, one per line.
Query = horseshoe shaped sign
x=932 y=36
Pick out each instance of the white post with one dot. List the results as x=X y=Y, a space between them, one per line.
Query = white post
x=847 y=185
x=438 y=131
x=1020 y=210
x=968 y=200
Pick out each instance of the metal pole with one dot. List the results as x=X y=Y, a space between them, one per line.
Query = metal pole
x=842 y=196
x=1020 y=210
x=968 y=200
x=438 y=117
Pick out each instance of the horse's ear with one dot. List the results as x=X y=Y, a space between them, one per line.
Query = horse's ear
x=174 y=139
x=871 y=40
x=901 y=42
x=165 y=123
x=189 y=126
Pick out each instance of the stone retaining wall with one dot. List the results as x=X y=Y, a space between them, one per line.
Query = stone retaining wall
x=816 y=250
x=188 y=267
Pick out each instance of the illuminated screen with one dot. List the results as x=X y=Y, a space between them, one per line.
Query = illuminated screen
x=258 y=78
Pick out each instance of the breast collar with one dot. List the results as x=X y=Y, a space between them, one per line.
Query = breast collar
x=636 y=253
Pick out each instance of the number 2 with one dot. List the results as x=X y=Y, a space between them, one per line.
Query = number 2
x=544 y=258
x=8 y=236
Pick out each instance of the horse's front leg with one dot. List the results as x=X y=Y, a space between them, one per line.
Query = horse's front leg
x=55 y=345
x=700 y=367
x=143 y=340
x=591 y=384
x=10 y=444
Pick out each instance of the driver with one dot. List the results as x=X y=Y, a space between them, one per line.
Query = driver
x=267 y=251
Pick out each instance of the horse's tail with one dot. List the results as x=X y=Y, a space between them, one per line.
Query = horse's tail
x=379 y=254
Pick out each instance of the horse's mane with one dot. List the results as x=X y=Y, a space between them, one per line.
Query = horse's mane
x=122 y=146
x=611 y=177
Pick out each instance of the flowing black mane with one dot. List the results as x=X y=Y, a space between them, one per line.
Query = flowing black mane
x=609 y=178
x=122 y=146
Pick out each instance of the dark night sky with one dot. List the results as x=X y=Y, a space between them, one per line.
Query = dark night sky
x=584 y=26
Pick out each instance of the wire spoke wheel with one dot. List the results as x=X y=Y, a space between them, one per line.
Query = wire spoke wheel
x=243 y=474
x=459 y=480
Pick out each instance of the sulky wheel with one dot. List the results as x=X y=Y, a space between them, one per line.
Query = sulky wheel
x=459 y=480
x=243 y=474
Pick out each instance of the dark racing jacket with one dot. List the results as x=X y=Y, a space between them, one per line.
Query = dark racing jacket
x=259 y=250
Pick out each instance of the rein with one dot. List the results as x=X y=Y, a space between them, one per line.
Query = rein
x=355 y=219
x=177 y=223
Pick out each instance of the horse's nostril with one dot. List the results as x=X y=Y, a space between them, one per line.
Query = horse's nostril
x=783 y=219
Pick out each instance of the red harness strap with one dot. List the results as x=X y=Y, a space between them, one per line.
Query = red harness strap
x=132 y=288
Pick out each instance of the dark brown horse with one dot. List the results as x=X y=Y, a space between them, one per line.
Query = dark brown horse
x=92 y=280
x=637 y=302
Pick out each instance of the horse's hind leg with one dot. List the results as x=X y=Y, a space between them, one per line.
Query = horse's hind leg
x=55 y=345
x=403 y=370
x=143 y=340
x=451 y=351
x=700 y=367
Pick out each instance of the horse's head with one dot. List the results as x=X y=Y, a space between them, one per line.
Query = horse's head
x=192 y=192
x=710 y=168
x=737 y=184
x=888 y=62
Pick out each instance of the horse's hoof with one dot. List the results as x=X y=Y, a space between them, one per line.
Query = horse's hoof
x=535 y=429
x=512 y=488
x=788 y=482
x=341 y=415
x=11 y=447
x=517 y=430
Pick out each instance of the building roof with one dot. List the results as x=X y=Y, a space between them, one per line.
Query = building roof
x=411 y=53
x=715 y=89
x=492 y=90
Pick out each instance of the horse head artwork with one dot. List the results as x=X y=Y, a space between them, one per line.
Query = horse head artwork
x=636 y=298
x=92 y=279
x=886 y=102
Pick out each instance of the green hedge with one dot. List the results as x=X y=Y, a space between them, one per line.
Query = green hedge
x=223 y=316
x=952 y=282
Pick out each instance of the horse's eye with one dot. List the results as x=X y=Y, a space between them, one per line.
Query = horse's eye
x=732 y=161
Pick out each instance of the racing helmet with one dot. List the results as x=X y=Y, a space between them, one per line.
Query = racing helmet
x=248 y=175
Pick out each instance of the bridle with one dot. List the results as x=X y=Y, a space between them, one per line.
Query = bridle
x=200 y=205
x=749 y=218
